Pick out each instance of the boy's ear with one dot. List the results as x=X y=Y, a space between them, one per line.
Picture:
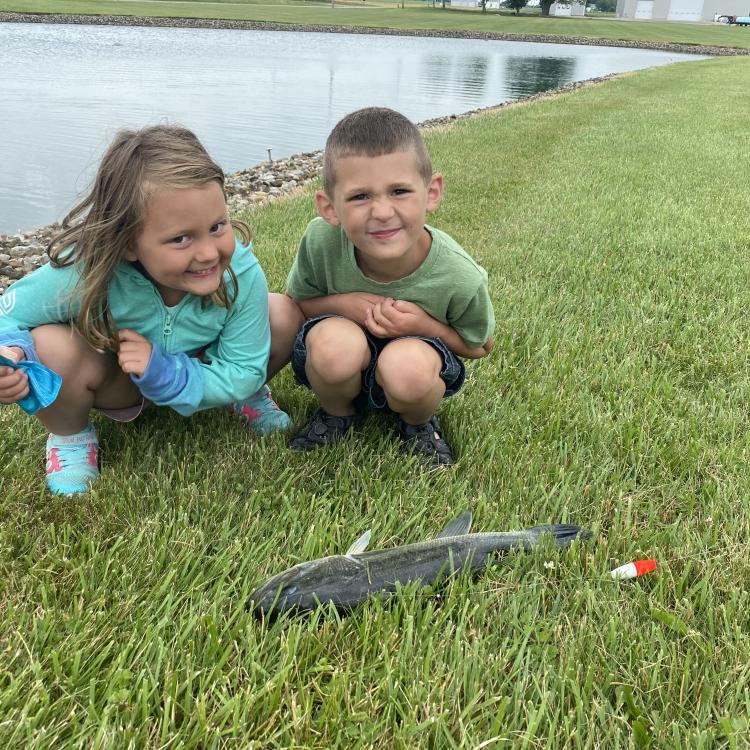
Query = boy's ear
x=435 y=191
x=325 y=208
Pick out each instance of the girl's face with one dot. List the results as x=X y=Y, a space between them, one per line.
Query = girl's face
x=186 y=241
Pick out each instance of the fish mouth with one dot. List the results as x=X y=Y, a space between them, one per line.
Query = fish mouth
x=273 y=598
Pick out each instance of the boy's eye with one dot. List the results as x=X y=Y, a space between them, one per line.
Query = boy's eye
x=401 y=191
x=180 y=239
x=359 y=197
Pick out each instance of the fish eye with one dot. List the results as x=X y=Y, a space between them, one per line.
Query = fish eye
x=288 y=590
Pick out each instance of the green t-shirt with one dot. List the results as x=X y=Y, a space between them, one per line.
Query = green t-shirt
x=449 y=285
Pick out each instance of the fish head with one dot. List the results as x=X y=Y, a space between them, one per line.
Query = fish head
x=307 y=585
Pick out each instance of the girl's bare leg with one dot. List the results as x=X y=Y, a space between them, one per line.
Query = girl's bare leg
x=286 y=319
x=89 y=379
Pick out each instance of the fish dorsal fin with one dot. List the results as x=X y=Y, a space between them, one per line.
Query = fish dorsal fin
x=361 y=544
x=458 y=526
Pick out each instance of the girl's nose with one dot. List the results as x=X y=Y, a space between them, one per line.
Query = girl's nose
x=207 y=250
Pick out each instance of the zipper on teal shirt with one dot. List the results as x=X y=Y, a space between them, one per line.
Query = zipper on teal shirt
x=167 y=330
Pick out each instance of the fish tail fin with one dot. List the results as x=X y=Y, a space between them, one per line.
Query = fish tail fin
x=563 y=533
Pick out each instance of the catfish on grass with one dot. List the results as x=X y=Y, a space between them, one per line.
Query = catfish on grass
x=347 y=580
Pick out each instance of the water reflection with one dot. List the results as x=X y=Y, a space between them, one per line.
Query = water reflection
x=472 y=76
x=532 y=75
x=66 y=89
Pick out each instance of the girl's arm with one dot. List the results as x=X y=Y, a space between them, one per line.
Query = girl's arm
x=44 y=296
x=233 y=367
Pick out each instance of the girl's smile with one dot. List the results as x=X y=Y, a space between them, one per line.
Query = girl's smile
x=186 y=241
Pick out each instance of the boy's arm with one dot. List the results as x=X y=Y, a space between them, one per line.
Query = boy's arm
x=394 y=318
x=353 y=305
x=449 y=336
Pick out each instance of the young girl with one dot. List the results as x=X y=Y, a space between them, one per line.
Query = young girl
x=148 y=296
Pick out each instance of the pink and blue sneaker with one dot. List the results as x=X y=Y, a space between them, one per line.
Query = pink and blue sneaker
x=72 y=461
x=262 y=413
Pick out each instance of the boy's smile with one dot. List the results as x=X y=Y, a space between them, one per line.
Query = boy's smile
x=382 y=202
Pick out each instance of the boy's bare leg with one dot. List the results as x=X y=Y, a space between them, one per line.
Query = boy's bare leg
x=337 y=353
x=89 y=378
x=286 y=319
x=408 y=371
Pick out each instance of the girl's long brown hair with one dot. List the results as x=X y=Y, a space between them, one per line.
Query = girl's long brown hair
x=99 y=230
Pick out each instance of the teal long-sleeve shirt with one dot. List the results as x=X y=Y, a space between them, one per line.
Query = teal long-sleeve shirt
x=235 y=342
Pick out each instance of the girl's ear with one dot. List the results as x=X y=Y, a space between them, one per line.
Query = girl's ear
x=326 y=209
x=435 y=191
x=131 y=255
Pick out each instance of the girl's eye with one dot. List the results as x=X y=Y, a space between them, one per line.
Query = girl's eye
x=218 y=227
x=181 y=239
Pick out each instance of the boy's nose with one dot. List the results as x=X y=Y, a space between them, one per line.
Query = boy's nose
x=382 y=209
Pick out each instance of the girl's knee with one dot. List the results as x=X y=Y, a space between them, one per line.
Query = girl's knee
x=64 y=350
x=284 y=316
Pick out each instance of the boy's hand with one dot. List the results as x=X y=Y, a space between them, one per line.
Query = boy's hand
x=134 y=353
x=357 y=304
x=390 y=319
x=14 y=384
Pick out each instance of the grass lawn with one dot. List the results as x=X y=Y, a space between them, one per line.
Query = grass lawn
x=613 y=222
x=387 y=14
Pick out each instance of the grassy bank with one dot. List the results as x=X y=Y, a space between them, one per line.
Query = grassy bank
x=388 y=15
x=613 y=222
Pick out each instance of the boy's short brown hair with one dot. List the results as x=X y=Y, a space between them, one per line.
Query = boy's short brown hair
x=373 y=131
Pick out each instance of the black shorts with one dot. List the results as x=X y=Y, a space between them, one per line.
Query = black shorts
x=371 y=396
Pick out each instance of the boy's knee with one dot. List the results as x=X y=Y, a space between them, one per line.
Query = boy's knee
x=408 y=369
x=337 y=349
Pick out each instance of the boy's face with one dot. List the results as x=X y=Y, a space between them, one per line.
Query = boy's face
x=381 y=202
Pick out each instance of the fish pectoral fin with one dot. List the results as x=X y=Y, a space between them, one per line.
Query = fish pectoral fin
x=360 y=545
x=458 y=526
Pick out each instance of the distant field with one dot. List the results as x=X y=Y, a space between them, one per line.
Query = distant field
x=388 y=14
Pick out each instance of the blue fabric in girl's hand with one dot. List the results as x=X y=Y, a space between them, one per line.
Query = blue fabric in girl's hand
x=44 y=384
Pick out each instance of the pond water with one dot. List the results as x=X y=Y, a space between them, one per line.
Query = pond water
x=66 y=89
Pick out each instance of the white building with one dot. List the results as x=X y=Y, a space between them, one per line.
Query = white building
x=567 y=9
x=682 y=10
x=489 y=5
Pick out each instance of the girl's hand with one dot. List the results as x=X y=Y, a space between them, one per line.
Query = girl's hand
x=391 y=319
x=134 y=353
x=14 y=384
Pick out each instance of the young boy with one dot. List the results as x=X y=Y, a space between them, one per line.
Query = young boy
x=391 y=304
